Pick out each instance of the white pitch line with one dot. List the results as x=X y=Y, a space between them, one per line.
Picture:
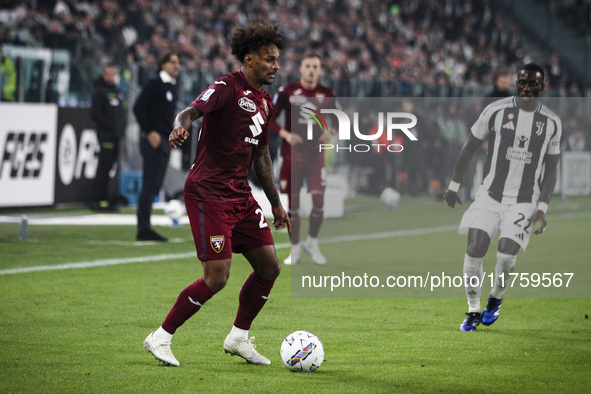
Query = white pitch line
x=345 y=238
x=96 y=263
x=103 y=263
x=387 y=234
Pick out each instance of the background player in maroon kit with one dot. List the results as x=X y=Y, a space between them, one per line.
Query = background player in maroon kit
x=224 y=215
x=301 y=158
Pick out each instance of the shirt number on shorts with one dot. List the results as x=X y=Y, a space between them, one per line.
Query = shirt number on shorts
x=521 y=218
x=262 y=223
x=258 y=122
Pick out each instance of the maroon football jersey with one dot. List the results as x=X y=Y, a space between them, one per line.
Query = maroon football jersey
x=235 y=119
x=294 y=93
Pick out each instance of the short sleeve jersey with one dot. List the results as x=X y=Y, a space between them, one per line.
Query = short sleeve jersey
x=235 y=119
x=294 y=93
x=518 y=142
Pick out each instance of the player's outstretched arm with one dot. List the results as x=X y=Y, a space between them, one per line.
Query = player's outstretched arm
x=464 y=158
x=263 y=168
x=182 y=123
x=546 y=191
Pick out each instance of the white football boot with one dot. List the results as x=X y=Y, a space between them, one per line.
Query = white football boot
x=161 y=350
x=311 y=247
x=246 y=350
x=294 y=256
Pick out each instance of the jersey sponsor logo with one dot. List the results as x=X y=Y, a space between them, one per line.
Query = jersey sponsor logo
x=217 y=242
x=521 y=141
x=517 y=154
x=247 y=104
x=540 y=128
x=205 y=96
x=251 y=140
x=509 y=125
x=219 y=82
x=257 y=127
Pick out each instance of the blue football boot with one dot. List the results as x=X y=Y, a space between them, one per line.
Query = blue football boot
x=471 y=321
x=492 y=310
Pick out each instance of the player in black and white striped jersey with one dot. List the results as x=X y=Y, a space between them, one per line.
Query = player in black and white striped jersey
x=523 y=149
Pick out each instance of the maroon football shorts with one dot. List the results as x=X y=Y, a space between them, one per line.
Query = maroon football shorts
x=294 y=171
x=220 y=228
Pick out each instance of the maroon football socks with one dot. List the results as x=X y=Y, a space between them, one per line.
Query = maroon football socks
x=253 y=296
x=187 y=304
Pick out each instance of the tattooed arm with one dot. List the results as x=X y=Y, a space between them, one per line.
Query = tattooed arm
x=263 y=168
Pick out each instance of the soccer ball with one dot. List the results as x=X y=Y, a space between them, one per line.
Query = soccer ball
x=174 y=209
x=302 y=351
x=390 y=198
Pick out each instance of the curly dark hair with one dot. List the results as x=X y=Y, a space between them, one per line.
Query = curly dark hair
x=253 y=37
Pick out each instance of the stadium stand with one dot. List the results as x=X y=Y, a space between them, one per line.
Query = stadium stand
x=421 y=48
x=373 y=48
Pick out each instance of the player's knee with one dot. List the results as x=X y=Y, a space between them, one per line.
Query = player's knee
x=318 y=200
x=215 y=284
x=476 y=249
x=508 y=247
x=216 y=279
x=275 y=270
x=318 y=209
x=270 y=270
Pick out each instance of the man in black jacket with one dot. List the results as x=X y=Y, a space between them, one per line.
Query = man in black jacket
x=109 y=115
x=155 y=111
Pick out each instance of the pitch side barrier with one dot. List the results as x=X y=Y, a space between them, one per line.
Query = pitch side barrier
x=48 y=155
x=411 y=145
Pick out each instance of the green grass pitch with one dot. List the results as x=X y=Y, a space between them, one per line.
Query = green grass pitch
x=81 y=330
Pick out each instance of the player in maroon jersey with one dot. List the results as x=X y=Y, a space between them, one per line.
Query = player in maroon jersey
x=224 y=215
x=301 y=158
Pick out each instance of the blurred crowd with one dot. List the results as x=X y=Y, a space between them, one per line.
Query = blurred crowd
x=410 y=43
x=445 y=42
x=576 y=13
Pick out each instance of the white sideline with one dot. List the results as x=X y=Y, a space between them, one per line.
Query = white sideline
x=346 y=238
x=102 y=263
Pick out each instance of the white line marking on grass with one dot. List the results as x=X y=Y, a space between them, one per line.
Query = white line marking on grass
x=345 y=238
x=135 y=243
x=97 y=263
x=387 y=234
x=102 y=263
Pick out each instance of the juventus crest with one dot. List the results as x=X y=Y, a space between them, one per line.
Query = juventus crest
x=540 y=128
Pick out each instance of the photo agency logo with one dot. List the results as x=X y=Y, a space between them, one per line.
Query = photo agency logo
x=380 y=136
